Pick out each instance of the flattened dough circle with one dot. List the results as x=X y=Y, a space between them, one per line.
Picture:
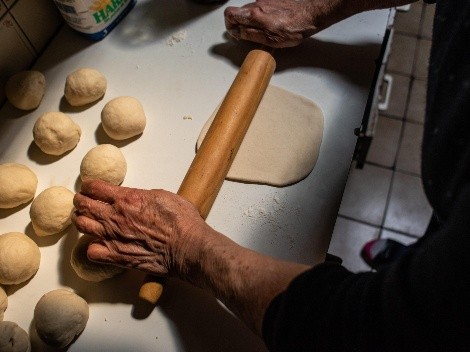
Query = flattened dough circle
x=282 y=144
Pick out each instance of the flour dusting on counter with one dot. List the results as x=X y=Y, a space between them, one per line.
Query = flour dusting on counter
x=176 y=37
x=271 y=212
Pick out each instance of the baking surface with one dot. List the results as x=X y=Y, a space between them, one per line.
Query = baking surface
x=174 y=56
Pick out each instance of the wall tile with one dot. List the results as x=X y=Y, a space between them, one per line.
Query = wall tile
x=19 y=56
x=26 y=26
x=3 y=9
x=9 y=3
x=41 y=26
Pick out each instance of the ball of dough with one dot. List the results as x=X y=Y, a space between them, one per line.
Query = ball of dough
x=25 y=90
x=104 y=162
x=123 y=118
x=18 y=185
x=3 y=302
x=85 y=268
x=13 y=338
x=56 y=133
x=51 y=211
x=60 y=315
x=19 y=258
x=84 y=86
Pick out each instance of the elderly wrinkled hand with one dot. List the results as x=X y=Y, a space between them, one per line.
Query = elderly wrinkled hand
x=280 y=23
x=142 y=229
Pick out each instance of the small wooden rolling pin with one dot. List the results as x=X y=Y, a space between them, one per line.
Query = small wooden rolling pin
x=221 y=143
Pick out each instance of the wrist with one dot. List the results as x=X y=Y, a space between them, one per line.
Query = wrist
x=189 y=253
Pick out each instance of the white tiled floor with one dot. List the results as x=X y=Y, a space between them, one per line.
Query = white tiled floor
x=385 y=198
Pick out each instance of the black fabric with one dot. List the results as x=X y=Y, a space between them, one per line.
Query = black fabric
x=421 y=302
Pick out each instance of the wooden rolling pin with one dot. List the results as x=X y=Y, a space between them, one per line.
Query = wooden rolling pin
x=221 y=143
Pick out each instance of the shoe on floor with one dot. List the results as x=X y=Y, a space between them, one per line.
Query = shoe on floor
x=381 y=252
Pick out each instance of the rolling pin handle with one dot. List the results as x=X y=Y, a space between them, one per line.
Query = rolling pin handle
x=212 y=161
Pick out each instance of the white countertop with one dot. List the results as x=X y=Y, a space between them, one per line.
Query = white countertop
x=175 y=80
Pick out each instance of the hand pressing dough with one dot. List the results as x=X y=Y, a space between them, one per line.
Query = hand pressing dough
x=18 y=185
x=25 y=90
x=84 y=86
x=13 y=338
x=51 y=211
x=282 y=143
x=56 y=133
x=123 y=118
x=85 y=268
x=104 y=162
x=60 y=315
x=3 y=302
x=19 y=258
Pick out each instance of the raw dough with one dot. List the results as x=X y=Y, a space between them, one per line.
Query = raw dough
x=56 y=133
x=84 y=86
x=60 y=315
x=3 y=302
x=51 y=211
x=25 y=90
x=104 y=162
x=85 y=268
x=13 y=338
x=18 y=185
x=19 y=258
x=282 y=144
x=123 y=118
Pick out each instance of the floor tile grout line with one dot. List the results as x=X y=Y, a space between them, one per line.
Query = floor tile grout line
x=379 y=227
x=393 y=169
x=400 y=139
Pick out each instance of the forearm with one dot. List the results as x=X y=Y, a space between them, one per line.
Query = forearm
x=245 y=281
x=163 y=234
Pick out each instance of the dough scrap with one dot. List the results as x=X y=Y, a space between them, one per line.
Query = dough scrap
x=104 y=162
x=84 y=86
x=24 y=90
x=51 y=211
x=123 y=117
x=19 y=258
x=3 y=302
x=85 y=268
x=283 y=142
x=56 y=133
x=18 y=185
x=13 y=338
x=60 y=315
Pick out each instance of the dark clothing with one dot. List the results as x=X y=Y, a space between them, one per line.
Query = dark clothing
x=422 y=301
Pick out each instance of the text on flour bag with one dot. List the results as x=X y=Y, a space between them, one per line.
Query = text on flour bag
x=94 y=18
